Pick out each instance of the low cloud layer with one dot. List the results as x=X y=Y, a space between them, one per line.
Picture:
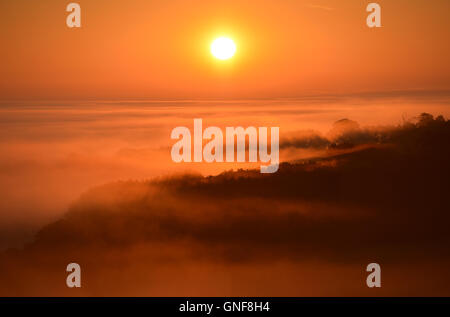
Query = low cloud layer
x=383 y=201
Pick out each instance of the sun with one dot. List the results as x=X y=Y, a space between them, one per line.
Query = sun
x=223 y=48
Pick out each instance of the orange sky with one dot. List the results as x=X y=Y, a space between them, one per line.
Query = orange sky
x=160 y=49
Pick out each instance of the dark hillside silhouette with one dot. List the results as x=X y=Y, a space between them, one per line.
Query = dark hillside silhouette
x=386 y=200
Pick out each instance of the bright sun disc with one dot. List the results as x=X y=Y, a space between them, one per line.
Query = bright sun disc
x=223 y=48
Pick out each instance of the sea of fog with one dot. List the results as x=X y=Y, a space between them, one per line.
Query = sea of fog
x=52 y=151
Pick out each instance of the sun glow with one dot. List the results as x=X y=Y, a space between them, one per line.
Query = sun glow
x=223 y=48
